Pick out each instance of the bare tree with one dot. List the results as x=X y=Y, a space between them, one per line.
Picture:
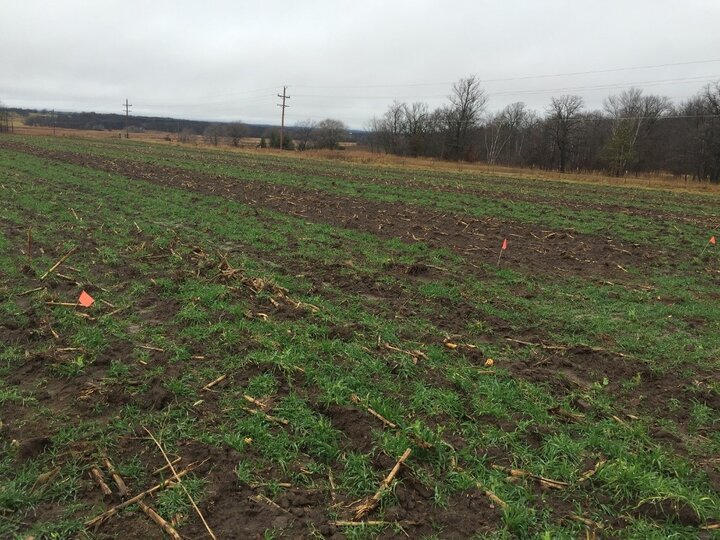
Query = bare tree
x=702 y=134
x=632 y=114
x=303 y=131
x=185 y=135
x=235 y=131
x=393 y=122
x=711 y=97
x=394 y=132
x=527 y=128
x=711 y=94
x=415 y=126
x=501 y=128
x=436 y=133
x=564 y=119
x=374 y=128
x=213 y=133
x=329 y=133
x=467 y=103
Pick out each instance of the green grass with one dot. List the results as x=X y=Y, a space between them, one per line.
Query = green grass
x=286 y=331
x=380 y=187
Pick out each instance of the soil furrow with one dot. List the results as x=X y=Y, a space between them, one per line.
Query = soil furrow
x=478 y=240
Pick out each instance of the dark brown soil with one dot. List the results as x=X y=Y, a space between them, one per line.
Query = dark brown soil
x=32 y=448
x=354 y=424
x=668 y=509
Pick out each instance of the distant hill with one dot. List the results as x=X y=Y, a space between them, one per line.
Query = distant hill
x=103 y=121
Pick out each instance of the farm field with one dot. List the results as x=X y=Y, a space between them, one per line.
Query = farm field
x=290 y=329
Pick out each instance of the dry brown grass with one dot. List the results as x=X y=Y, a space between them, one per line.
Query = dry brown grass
x=651 y=181
x=22 y=129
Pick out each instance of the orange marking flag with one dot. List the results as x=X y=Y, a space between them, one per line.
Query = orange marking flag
x=86 y=300
x=712 y=240
x=504 y=245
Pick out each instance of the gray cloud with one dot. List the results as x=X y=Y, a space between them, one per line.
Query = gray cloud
x=227 y=60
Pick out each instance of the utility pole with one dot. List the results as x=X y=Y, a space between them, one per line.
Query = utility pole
x=127 y=118
x=284 y=96
x=53 y=121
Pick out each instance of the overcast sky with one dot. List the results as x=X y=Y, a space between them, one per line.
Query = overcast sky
x=227 y=60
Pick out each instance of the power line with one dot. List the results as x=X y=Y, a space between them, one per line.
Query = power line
x=260 y=98
x=602 y=71
x=227 y=98
x=684 y=80
x=529 y=92
x=195 y=105
x=526 y=77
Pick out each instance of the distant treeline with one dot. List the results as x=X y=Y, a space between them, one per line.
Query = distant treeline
x=102 y=122
x=633 y=133
x=327 y=133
